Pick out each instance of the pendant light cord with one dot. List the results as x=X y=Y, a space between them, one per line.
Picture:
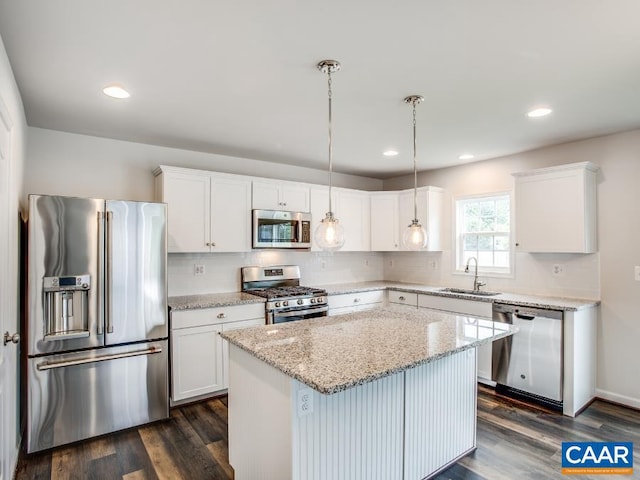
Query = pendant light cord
x=415 y=170
x=330 y=140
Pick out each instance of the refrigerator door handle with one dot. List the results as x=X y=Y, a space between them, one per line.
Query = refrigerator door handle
x=100 y=316
x=82 y=361
x=109 y=265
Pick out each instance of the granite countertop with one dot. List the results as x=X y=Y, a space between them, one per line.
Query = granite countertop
x=537 y=301
x=212 y=300
x=332 y=354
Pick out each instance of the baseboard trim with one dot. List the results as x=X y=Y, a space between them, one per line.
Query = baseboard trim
x=617 y=398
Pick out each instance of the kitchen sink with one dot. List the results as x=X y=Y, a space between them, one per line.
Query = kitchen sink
x=482 y=293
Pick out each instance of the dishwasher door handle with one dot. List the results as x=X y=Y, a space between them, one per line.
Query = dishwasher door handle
x=524 y=317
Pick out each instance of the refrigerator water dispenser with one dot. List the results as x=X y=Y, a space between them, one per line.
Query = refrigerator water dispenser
x=66 y=307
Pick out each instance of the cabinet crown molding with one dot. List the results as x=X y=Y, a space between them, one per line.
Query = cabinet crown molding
x=559 y=168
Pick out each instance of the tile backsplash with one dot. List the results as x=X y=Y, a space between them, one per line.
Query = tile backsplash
x=222 y=270
x=534 y=273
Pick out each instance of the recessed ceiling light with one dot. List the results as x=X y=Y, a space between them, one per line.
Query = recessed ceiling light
x=390 y=153
x=116 y=91
x=539 y=112
x=466 y=156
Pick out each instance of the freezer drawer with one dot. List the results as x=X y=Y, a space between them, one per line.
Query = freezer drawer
x=79 y=395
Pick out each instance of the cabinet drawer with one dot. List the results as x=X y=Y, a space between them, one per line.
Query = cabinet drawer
x=212 y=316
x=457 y=305
x=403 y=298
x=361 y=298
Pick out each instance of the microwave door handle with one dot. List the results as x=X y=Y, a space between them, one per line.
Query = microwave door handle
x=100 y=316
x=108 y=273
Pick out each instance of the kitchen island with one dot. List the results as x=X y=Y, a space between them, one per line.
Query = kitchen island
x=387 y=393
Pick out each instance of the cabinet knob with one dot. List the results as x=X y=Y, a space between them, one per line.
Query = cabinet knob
x=284 y=204
x=208 y=244
x=402 y=298
x=222 y=315
x=517 y=244
x=356 y=300
x=213 y=244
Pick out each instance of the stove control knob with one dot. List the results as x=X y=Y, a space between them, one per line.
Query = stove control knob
x=277 y=304
x=320 y=300
x=300 y=301
x=313 y=300
x=285 y=303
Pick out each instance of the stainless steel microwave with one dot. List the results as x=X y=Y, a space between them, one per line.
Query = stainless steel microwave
x=279 y=229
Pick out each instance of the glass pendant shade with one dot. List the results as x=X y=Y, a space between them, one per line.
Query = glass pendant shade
x=329 y=235
x=414 y=236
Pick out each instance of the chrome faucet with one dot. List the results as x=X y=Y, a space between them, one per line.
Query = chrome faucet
x=476 y=284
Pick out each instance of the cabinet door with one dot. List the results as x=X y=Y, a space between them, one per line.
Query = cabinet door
x=319 y=203
x=230 y=215
x=196 y=361
x=354 y=212
x=429 y=202
x=384 y=222
x=556 y=210
x=294 y=197
x=266 y=195
x=188 y=200
x=225 y=344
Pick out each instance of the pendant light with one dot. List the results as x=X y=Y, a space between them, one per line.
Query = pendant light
x=329 y=235
x=415 y=236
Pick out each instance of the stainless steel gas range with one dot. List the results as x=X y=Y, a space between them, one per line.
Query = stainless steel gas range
x=287 y=301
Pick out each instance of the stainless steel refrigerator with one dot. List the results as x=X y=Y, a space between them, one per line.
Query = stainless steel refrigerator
x=97 y=353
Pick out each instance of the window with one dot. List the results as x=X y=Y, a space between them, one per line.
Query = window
x=483 y=231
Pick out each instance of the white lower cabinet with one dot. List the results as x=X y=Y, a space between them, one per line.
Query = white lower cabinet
x=356 y=302
x=199 y=356
x=465 y=307
x=195 y=365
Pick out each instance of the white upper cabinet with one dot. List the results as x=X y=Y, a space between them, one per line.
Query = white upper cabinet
x=392 y=213
x=207 y=212
x=351 y=208
x=556 y=209
x=319 y=199
x=384 y=222
x=275 y=195
x=429 y=201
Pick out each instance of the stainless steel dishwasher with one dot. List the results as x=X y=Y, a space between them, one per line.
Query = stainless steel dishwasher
x=530 y=362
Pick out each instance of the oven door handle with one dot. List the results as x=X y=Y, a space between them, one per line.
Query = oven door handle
x=295 y=313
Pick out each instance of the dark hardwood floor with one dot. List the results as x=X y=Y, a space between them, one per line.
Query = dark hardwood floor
x=515 y=441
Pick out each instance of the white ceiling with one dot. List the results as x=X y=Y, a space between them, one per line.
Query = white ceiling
x=239 y=77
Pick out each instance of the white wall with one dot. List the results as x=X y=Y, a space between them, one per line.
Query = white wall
x=608 y=275
x=13 y=105
x=62 y=163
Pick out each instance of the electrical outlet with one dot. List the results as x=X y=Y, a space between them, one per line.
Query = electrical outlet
x=198 y=269
x=557 y=270
x=637 y=272
x=391 y=263
x=433 y=264
x=323 y=264
x=305 y=402
x=366 y=262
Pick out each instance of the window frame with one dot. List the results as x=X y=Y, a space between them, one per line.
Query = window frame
x=456 y=241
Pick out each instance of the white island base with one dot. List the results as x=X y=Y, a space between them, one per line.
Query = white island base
x=409 y=425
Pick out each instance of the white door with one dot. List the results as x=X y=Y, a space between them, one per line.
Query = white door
x=8 y=317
